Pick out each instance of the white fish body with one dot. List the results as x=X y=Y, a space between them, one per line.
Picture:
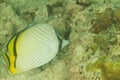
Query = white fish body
x=31 y=48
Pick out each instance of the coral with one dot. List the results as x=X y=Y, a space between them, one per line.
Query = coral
x=116 y=14
x=114 y=50
x=106 y=27
x=104 y=41
x=104 y=20
x=109 y=67
x=93 y=75
x=76 y=72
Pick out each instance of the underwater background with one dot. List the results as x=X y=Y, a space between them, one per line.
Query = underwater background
x=91 y=26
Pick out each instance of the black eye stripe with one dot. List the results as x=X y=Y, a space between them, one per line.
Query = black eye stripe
x=14 y=47
x=7 y=57
x=14 y=50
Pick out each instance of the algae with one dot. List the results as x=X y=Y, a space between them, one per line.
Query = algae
x=109 y=67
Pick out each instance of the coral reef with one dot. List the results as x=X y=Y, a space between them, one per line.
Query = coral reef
x=91 y=26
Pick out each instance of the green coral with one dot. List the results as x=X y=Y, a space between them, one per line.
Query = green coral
x=109 y=67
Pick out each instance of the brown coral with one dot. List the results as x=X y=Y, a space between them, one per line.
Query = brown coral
x=105 y=20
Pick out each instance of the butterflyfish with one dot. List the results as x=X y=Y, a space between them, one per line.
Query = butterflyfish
x=32 y=47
